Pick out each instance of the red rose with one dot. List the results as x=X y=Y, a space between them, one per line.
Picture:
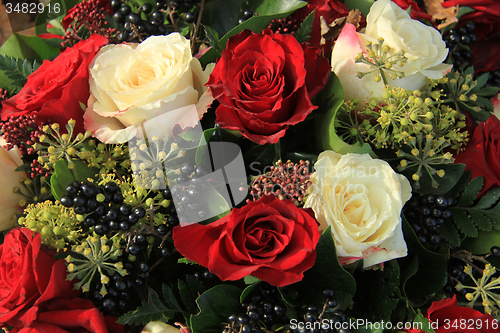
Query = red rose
x=264 y=83
x=65 y=316
x=481 y=154
x=270 y=239
x=29 y=277
x=54 y=91
x=329 y=9
x=486 y=15
x=451 y=318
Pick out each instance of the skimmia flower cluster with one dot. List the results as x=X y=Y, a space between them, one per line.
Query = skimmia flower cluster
x=284 y=166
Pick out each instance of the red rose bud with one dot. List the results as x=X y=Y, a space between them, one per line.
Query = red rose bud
x=270 y=239
x=481 y=154
x=264 y=83
x=54 y=91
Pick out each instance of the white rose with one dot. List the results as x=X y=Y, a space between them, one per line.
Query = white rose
x=361 y=199
x=423 y=46
x=133 y=83
x=9 y=201
x=159 y=327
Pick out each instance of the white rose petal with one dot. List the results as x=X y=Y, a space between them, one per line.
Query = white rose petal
x=361 y=199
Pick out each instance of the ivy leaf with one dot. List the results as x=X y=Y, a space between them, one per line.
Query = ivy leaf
x=18 y=70
x=326 y=273
x=215 y=306
x=471 y=191
x=303 y=33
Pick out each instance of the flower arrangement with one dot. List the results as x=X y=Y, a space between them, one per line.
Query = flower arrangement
x=251 y=166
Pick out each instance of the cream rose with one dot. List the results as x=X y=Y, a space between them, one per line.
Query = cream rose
x=160 y=327
x=423 y=47
x=134 y=83
x=9 y=201
x=361 y=199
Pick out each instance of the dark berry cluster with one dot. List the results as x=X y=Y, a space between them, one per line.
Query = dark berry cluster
x=187 y=193
x=147 y=20
x=325 y=320
x=426 y=214
x=458 y=40
x=263 y=306
x=102 y=207
x=455 y=275
x=120 y=290
x=286 y=25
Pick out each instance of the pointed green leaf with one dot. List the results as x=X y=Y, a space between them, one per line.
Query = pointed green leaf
x=212 y=35
x=470 y=193
x=464 y=222
x=450 y=234
x=489 y=199
x=187 y=297
x=480 y=219
x=303 y=34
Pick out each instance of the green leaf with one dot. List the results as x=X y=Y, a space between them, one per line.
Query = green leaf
x=170 y=298
x=363 y=5
x=191 y=135
x=461 y=184
x=154 y=310
x=267 y=10
x=480 y=219
x=24 y=47
x=186 y=261
x=482 y=243
x=259 y=158
x=449 y=233
x=303 y=34
x=431 y=275
x=215 y=134
x=446 y=183
x=471 y=191
x=212 y=35
x=326 y=273
x=329 y=101
x=463 y=222
x=18 y=70
x=378 y=292
x=251 y=279
x=62 y=175
x=195 y=285
x=489 y=199
x=187 y=297
x=248 y=290
x=215 y=306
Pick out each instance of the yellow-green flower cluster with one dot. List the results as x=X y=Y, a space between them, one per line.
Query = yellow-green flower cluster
x=57 y=225
x=402 y=115
x=485 y=289
x=107 y=158
x=96 y=257
x=55 y=146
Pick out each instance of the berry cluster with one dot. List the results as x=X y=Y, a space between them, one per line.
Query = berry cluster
x=426 y=214
x=455 y=275
x=187 y=193
x=286 y=25
x=102 y=208
x=262 y=306
x=246 y=15
x=457 y=40
x=336 y=318
x=119 y=292
x=148 y=20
